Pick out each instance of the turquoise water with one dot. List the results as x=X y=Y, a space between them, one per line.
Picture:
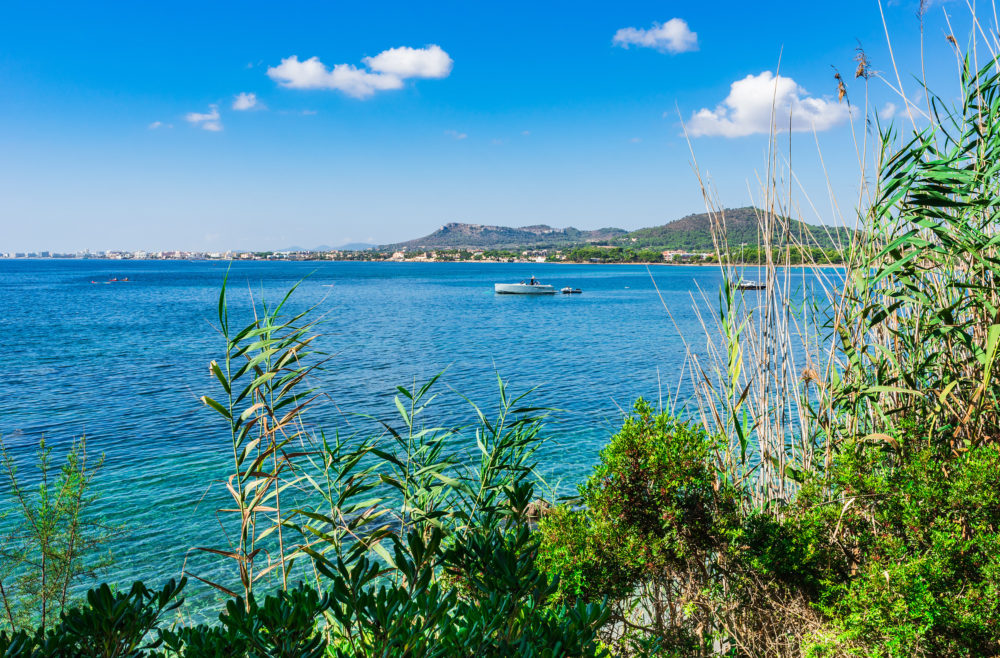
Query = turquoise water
x=125 y=363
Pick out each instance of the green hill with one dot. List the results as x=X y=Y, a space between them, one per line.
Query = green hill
x=694 y=233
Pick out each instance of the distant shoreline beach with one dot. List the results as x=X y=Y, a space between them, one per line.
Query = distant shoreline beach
x=412 y=260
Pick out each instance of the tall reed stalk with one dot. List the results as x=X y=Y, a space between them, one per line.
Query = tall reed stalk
x=909 y=327
x=261 y=378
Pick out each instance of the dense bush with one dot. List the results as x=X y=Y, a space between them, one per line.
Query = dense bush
x=678 y=551
x=922 y=526
x=110 y=624
x=902 y=561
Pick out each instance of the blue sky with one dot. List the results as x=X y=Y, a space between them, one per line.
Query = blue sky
x=118 y=128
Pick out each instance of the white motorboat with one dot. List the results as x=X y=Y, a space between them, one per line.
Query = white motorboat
x=531 y=287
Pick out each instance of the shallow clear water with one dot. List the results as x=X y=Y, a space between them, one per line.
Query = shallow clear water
x=125 y=363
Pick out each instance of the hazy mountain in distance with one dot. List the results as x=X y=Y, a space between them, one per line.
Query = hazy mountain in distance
x=456 y=235
x=350 y=246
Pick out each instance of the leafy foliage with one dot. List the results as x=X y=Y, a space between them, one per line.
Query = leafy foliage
x=429 y=556
x=110 y=625
x=285 y=626
x=261 y=377
x=662 y=536
x=929 y=290
x=54 y=542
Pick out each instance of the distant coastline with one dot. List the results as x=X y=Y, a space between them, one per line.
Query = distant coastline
x=689 y=240
x=202 y=259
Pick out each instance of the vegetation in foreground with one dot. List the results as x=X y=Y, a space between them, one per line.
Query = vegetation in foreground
x=838 y=500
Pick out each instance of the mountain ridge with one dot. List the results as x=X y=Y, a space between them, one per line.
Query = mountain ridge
x=458 y=235
x=689 y=233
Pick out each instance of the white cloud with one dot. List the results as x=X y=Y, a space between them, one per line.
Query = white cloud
x=387 y=70
x=525 y=132
x=455 y=134
x=888 y=111
x=404 y=62
x=246 y=101
x=674 y=36
x=747 y=110
x=313 y=74
x=207 y=121
x=155 y=125
x=195 y=117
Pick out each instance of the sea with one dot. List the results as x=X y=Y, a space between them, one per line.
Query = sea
x=125 y=363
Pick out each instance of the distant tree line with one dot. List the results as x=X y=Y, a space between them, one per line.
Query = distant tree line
x=744 y=254
x=614 y=255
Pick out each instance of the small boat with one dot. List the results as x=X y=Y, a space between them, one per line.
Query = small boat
x=751 y=285
x=531 y=287
x=571 y=291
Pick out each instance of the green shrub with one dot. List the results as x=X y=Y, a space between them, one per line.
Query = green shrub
x=52 y=542
x=287 y=625
x=923 y=526
x=120 y=624
x=653 y=514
